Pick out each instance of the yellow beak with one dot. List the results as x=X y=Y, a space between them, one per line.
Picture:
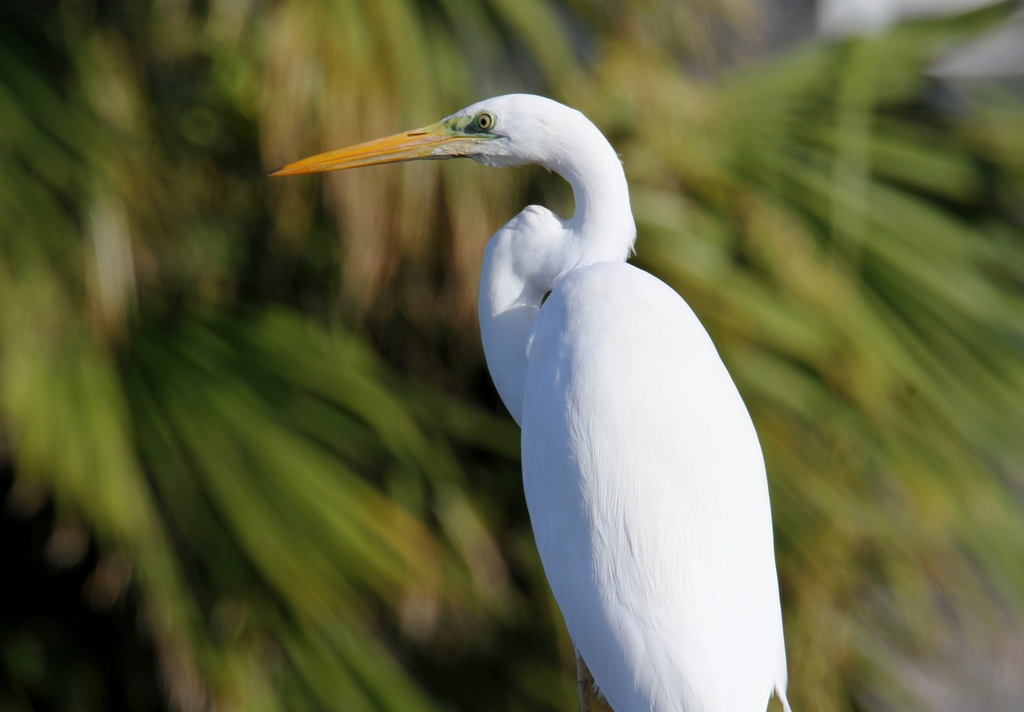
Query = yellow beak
x=434 y=141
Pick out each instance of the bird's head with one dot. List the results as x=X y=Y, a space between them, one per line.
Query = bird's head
x=511 y=130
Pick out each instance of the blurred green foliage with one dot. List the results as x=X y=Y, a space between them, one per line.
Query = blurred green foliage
x=268 y=403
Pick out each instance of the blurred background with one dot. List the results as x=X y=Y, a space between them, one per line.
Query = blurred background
x=251 y=458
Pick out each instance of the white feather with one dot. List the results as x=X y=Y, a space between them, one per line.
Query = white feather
x=642 y=470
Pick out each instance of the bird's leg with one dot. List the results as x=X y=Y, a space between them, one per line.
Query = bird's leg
x=584 y=683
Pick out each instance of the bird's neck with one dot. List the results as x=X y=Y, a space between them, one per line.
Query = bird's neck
x=530 y=255
x=602 y=225
x=509 y=302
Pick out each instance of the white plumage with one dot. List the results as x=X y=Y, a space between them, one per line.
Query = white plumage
x=642 y=470
x=648 y=499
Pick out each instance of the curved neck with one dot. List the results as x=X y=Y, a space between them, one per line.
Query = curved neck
x=507 y=307
x=602 y=224
x=535 y=250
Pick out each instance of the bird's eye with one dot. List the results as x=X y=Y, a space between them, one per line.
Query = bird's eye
x=485 y=121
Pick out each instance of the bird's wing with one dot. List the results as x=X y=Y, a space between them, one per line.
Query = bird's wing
x=648 y=498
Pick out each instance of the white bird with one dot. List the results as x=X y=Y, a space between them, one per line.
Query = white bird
x=643 y=474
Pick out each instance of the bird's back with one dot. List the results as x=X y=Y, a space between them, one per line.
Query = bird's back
x=648 y=499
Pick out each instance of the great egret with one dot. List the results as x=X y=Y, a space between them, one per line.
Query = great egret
x=643 y=475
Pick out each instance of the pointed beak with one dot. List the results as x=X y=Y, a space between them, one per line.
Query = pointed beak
x=436 y=141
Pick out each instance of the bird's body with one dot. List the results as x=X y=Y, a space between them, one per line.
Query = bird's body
x=641 y=467
x=648 y=499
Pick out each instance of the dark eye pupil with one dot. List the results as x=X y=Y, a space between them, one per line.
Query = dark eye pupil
x=484 y=121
